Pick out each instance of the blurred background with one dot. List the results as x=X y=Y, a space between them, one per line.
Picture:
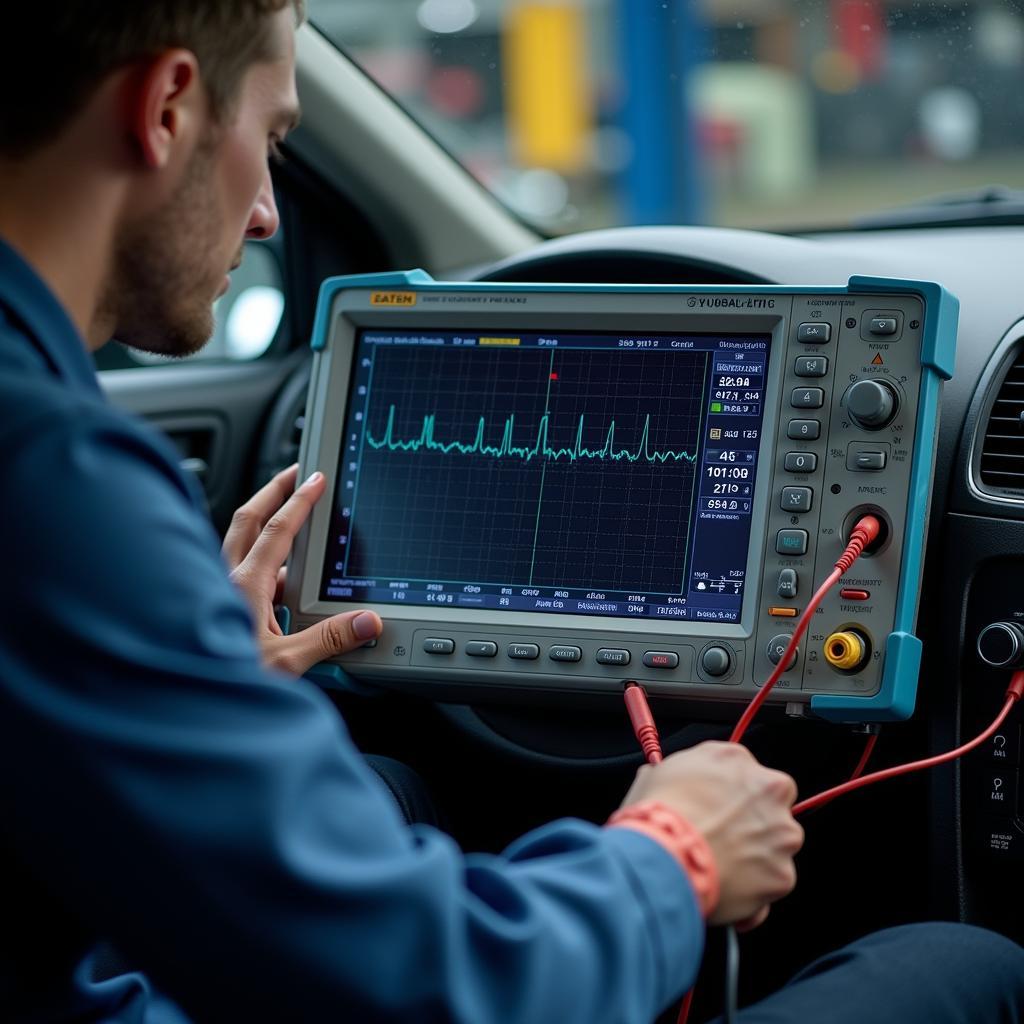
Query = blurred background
x=785 y=114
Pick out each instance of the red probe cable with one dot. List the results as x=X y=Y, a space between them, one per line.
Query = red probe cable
x=1013 y=694
x=864 y=533
x=865 y=756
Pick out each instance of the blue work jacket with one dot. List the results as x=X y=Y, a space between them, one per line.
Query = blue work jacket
x=160 y=789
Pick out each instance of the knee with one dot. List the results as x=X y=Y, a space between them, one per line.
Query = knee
x=955 y=950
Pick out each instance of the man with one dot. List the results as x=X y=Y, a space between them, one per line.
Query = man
x=168 y=783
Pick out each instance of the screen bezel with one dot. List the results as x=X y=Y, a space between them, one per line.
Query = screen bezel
x=630 y=313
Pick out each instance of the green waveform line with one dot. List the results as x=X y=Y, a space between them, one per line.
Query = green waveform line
x=541 y=447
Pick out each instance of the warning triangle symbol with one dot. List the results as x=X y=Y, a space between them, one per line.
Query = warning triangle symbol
x=877 y=361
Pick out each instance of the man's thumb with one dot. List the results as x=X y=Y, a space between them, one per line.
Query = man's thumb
x=333 y=636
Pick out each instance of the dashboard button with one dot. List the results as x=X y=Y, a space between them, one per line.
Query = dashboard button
x=481 y=648
x=438 y=645
x=716 y=662
x=783 y=612
x=777 y=648
x=561 y=652
x=801 y=462
x=803 y=430
x=791 y=542
x=524 y=652
x=1004 y=747
x=661 y=659
x=787 y=585
x=811 y=366
x=613 y=656
x=882 y=325
x=854 y=594
x=865 y=462
x=814 y=334
x=807 y=398
x=796 y=499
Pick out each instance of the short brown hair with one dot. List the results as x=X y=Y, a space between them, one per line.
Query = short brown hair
x=67 y=47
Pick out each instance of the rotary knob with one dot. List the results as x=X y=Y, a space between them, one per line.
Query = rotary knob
x=1001 y=645
x=716 y=662
x=872 y=403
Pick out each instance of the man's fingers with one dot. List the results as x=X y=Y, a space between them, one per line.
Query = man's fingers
x=282 y=582
x=301 y=651
x=248 y=522
x=272 y=546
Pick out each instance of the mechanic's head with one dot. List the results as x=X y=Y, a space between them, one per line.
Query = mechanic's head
x=167 y=109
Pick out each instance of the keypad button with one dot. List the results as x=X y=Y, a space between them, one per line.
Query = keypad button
x=811 y=366
x=796 y=499
x=661 y=659
x=777 y=648
x=814 y=334
x=562 y=652
x=613 y=656
x=791 y=542
x=438 y=645
x=865 y=462
x=801 y=462
x=803 y=430
x=524 y=652
x=882 y=325
x=788 y=584
x=807 y=398
x=481 y=648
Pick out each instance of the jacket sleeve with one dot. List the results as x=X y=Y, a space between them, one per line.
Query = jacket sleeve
x=218 y=822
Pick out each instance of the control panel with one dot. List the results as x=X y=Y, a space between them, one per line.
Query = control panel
x=565 y=487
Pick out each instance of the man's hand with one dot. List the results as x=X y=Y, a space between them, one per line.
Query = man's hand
x=743 y=811
x=256 y=546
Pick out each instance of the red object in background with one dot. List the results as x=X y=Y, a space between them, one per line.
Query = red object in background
x=861 y=33
x=554 y=376
x=456 y=92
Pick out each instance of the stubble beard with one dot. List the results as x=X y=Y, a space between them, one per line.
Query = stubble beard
x=161 y=292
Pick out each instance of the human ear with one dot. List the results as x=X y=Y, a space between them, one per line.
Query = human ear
x=167 y=103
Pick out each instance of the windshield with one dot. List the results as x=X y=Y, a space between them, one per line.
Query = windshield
x=749 y=113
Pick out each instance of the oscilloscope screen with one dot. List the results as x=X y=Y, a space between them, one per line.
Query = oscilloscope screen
x=589 y=473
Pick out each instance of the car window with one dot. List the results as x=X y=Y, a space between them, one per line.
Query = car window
x=247 y=317
x=753 y=113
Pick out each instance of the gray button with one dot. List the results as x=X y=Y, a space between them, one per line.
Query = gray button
x=525 y=652
x=801 y=462
x=796 y=499
x=661 y=659
x=563 y=653
x=882 y=325
x=612 y=656
x=437 y=645
x=481 y=648
x=811 y=366
x=814 y=334
x=807 y=398
x=865 y=461
x=777 y=648
x=788 y=583
x=791 y=542
x=716 y=662
x=370 y=643
x=803 y=430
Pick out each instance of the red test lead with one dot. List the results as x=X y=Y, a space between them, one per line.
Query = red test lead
x=864 y=533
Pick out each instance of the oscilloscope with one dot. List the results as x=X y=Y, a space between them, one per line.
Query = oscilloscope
x=561 y=487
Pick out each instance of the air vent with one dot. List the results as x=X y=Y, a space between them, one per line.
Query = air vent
x=1002 y=454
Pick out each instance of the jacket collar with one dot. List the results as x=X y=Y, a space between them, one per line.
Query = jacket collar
x=30 y=303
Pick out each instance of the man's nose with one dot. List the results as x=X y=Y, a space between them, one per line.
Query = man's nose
x=264 y=220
